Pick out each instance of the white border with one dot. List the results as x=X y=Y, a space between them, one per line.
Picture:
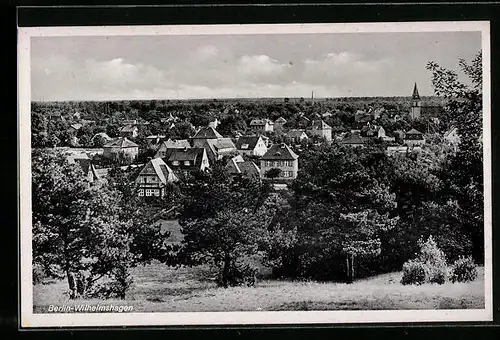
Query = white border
x=29 y=319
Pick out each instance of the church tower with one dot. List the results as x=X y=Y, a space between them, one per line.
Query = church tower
x=416 y=104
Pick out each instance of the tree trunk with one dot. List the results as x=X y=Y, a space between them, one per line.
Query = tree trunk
x=350 y=268
x=225 y=271
x=71 y=285
x=80 y=284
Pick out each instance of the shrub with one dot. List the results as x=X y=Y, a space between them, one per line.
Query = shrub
x=414 y=272
x=38 y=273
x=240 y=273
x=463 y=270
x=431 y=260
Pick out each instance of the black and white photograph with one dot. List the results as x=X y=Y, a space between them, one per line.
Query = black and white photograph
x=255 y=174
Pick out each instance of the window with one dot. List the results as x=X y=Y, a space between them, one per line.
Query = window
x=281 y=163
x=288 y=163
x=276 y=163
x=141 y=192
x=149 y=192
x=157 y=192
x=187 y=163
x=175 y=163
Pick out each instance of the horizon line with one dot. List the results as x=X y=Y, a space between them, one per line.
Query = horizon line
x=308 y=99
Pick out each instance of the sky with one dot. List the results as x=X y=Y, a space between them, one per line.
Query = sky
x=242 y=66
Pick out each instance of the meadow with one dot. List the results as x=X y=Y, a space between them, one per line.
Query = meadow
x=159 y=288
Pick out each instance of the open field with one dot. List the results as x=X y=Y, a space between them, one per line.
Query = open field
x=158 y=288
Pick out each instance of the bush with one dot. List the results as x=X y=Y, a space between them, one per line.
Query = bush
x=414 y=272
x=463 y=270
x=430 y=260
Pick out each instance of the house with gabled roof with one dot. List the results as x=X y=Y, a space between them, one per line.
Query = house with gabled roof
x=321 y=129
x=373 y=131
x=238 y=167
x=281 y=157
x=204 y=134
x=297 y=135
x=121 y=147
x=171 y=144
x=414 y=137
x=262 y=125
x=154 y=178
x=186 y=160
x=354 y=140
x=218 y=148
x=129 y=131
x=251 y=145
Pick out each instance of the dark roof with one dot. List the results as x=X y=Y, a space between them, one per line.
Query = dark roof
x=353 y=138
x=194 y=155
x=248 y=169
x=207 y=132
x=414 y=132
x=159 y=168
x=247 y=142
x=219 y=147
x=122 y=142
x=415 y=94
x=237 y=166
x=280 y=151
x=414 y=135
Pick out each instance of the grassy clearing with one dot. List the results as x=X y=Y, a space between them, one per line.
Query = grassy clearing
x=158 y=288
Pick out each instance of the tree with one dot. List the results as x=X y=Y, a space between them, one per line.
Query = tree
x=77 y=230
x=222 y=222
x=463 y=173
x=342 y=214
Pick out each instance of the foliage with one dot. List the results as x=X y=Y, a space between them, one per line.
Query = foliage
x=431 y=259
x=414 y=273
x=463 y=176
x=463 y=270
x=273 y=173
x=222 y=221
x=85 y=233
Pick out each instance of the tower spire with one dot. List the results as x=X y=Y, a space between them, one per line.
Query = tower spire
x=415 y=92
